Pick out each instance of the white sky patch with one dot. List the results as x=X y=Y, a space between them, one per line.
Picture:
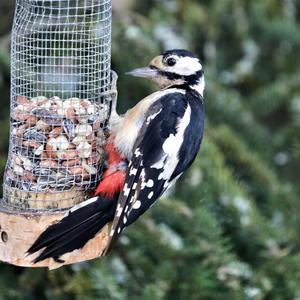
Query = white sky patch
x=196 y=177
x=234 y=269
x=244 y=208
x=170 y=237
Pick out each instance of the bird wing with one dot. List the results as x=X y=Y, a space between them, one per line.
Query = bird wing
x=156 y=159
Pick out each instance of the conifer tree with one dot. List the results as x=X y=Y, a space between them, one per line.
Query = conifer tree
x=231 y=227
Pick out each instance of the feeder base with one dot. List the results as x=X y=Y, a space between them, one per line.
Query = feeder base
x=19 y=231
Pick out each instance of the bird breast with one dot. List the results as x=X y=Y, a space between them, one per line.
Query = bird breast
x=126 y=129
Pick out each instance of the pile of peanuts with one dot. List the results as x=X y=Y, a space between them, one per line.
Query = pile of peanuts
x=55 y=144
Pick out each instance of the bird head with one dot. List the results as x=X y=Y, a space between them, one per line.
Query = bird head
x=174 y=68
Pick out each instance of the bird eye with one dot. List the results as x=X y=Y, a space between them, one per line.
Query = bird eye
x=171 y=61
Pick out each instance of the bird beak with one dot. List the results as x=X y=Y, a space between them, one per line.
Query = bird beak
x=147 y=72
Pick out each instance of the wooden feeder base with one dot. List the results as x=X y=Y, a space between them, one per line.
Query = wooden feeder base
x=19 y=231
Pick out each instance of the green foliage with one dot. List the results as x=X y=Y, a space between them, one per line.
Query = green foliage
x=231 y=228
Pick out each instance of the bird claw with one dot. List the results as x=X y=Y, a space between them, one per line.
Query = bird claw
x=112 y=93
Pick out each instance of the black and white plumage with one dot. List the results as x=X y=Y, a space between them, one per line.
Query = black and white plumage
x=78 y=226
x=167 y=129
x=159 y=138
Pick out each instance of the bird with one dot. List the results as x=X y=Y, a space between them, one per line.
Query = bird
x=148 y=149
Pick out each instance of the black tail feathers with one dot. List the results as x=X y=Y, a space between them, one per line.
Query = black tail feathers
x=82 y=223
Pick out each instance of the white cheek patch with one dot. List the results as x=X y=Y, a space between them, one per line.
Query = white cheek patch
x=185 y=66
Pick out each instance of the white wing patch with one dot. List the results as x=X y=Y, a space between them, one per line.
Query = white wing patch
x=159 y=164
x=149 y=184
x=126 y=190
x=119 y=210
x=169 y=184
x=150 y=195
x=132 y=172
x=82 y=204
x=172 y=146
x=170 y=143
x=137 y=152
x=151 y=117
x=137 y=204
x=165 y=167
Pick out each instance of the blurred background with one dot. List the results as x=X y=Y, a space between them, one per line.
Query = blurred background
x=231 y=228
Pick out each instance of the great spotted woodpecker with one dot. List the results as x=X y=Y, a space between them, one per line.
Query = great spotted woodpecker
x=148 y=149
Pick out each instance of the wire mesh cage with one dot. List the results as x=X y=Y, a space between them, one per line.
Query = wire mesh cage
x=60 y=68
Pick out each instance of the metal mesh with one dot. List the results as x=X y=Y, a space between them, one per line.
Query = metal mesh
x=60 y=67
